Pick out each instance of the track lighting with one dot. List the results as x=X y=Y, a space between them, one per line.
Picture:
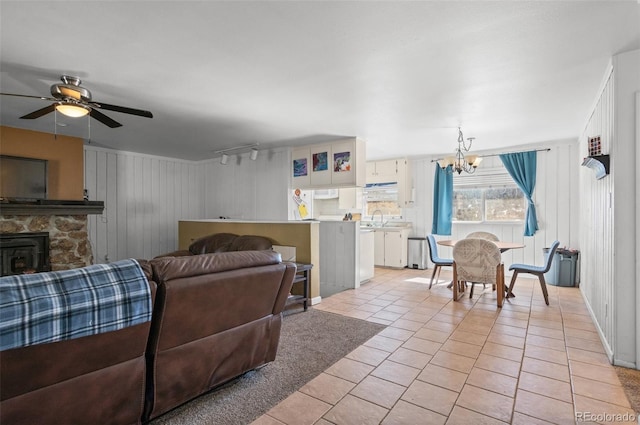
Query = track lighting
x=253 y=155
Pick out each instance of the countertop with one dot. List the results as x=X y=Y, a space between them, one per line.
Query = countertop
x=230 y=220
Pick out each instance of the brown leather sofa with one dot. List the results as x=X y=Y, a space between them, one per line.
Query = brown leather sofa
x=215 y=316
x=96 y=379
x=223 y=242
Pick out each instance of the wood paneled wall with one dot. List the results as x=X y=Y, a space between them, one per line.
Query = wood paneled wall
x=596 y=218
x=611 y=211
x=145 y=197
x=555 y=197
x=248 y=190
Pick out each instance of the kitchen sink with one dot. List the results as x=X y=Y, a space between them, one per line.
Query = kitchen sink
x=391 y=225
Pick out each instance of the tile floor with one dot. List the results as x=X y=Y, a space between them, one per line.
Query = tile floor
x=466 y=362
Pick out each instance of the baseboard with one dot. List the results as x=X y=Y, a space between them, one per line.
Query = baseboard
x=628 y=365
x=316 y=300
x=605 y=343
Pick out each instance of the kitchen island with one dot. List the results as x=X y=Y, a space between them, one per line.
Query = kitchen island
x=346 y=256
x=333 y=247
x=304 y=235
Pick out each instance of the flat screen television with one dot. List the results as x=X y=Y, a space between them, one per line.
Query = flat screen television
x=23 y=179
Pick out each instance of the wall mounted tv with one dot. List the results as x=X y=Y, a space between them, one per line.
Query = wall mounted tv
x=23 y=179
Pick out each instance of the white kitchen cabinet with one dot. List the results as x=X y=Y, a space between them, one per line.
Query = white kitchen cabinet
x=405 y=184
x=321 y=170
x=378 y=248
x=350 y=198
x=366 y=255
x=390 y=171
x=384 y=171
x=301 y=164
x=336 y=164
x=390 y=247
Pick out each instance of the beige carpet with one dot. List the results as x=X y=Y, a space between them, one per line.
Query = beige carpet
x=630 y=380
x=310 y=342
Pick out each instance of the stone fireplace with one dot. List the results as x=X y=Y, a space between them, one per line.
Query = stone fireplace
x=66 y=227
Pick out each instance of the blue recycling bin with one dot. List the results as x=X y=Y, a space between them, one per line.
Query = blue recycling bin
x=563 y=267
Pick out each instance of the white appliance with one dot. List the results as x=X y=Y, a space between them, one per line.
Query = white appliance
x=366 y=267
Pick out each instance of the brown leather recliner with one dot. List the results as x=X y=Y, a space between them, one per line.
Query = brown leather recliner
x=96 y=379
x=223 y=242
x=216 y=317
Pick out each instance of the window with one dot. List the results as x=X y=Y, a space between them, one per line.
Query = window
x=383 y=197
x=487 y=195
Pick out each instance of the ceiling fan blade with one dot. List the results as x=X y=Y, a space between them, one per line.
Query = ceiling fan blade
x=39 y=112
x=123 y=109
x=104 y=119
x=25 y=95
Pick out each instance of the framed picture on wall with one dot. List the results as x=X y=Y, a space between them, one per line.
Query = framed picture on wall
x=320 y=161
x=300 y=167
x=341 y=162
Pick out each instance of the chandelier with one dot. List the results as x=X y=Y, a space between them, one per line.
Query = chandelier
x=459 y=162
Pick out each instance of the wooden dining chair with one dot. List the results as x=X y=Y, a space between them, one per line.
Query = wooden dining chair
x=483 y=235
x=438 y=262
x=535 y=270
x=477 y=261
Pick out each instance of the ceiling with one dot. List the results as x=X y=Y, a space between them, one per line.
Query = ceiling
x=400 y=75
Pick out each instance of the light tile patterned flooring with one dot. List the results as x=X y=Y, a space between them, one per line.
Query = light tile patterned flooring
x=466 y=362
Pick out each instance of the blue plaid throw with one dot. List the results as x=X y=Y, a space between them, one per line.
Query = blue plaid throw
x=54 y=306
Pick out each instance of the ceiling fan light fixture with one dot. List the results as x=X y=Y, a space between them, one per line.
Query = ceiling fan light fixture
x=72 y=110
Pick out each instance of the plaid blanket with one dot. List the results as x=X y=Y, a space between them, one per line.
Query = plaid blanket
x=54 y=306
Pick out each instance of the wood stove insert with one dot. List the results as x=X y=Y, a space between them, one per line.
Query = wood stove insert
x=24 y=253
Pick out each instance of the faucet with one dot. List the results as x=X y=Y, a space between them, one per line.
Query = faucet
x=381 y=217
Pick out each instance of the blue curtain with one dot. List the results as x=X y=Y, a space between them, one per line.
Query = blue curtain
x=442 y=201
x=522 y=168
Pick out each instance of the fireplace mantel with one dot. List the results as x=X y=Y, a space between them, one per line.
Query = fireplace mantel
x=52 y=208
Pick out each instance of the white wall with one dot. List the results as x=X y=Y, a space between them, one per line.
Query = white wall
x=144 y=198
x=249 y=190
x=555 y=198
x=610 y=214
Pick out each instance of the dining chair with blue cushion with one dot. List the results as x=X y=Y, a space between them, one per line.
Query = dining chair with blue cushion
x=435 y=259
x=535 y=270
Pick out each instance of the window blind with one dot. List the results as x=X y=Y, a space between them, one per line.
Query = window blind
x=484 y=177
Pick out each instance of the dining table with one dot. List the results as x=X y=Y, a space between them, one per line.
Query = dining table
x=503 y=246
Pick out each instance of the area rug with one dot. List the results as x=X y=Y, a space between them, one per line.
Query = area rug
x=630 y=380
x=310 y=342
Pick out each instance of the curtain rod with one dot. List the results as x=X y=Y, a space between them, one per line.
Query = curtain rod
x=498 y=154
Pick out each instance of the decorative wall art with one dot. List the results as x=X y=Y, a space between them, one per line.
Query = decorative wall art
x=320 y=161
x=342 y=162
x=300 y=167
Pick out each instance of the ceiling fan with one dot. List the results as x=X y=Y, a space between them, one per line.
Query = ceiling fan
x=75 y=101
